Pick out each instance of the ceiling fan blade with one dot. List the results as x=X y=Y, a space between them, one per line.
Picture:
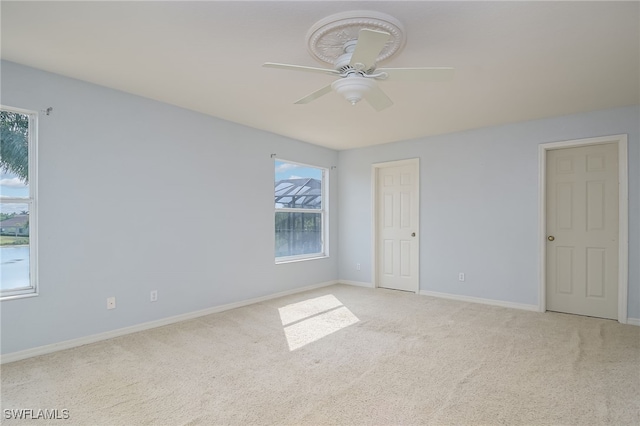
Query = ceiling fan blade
x=417 y=74
x=378 y=99
x=301 y=68
x=370 y=44
x=315 y=95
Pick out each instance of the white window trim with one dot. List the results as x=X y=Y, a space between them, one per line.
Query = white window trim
x=32 y=202
x=324 y=217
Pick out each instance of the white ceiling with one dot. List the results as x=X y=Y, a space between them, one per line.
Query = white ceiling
x=514 y=61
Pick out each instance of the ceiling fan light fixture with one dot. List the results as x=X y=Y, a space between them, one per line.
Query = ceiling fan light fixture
x=353 y=88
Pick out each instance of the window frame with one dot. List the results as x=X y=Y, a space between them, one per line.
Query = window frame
x=324 y=216
x=31 y=202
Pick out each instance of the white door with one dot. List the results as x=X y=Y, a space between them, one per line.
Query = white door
x=397 y=226
x=582 y=230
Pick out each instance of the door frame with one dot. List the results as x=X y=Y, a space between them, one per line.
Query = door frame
x=375 y=167
x=623 y=215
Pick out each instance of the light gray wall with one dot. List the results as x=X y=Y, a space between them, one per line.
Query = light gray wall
x=479 y=204
x=137 y=195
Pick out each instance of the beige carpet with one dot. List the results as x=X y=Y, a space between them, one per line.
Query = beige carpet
x=345 y=355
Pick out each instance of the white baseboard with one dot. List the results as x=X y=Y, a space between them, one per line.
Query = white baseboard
x=356 y=283
x=633 y=321
x=472 y=299
x=73 y=343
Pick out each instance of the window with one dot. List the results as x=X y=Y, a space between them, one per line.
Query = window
x=17 y=203
x=300 y=211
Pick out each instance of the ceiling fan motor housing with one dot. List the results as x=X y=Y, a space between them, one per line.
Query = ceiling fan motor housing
x=342 y=62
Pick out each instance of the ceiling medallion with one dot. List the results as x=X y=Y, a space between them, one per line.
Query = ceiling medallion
x=326 y=39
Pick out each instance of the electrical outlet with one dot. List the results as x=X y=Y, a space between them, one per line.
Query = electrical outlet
x=154 y=295
x=357 y=266
x=111 y=302
x=461 y=276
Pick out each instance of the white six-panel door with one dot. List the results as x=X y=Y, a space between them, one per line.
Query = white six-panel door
x=397 y=213
x=582 y=230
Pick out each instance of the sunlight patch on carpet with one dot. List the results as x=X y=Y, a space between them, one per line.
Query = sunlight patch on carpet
x=311 y=320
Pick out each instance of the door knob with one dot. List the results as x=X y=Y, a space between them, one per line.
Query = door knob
x=551 y=238
x=413 y=234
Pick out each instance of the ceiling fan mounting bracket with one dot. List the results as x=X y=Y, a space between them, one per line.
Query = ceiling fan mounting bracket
x=335 y=36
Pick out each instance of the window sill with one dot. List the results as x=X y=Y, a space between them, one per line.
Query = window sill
x=17 y=296
x=299 y=259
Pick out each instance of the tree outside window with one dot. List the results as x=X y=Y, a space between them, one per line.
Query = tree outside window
x=17 y=202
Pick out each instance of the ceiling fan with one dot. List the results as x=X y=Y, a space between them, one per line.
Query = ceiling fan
x=356 y=67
